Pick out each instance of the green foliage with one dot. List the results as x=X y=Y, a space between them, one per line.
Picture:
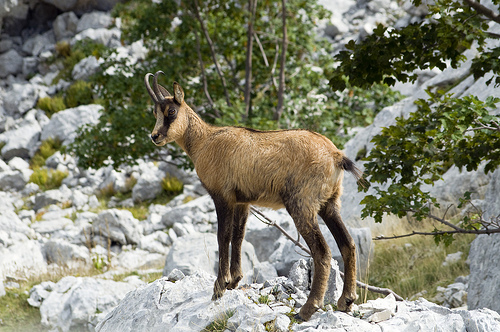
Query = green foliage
x=48 y=179
x=172 y=185
x=446 y=130
x=99 y=262
x=171 y=32
x=394 y=54
x=79 y=93
x=51 y=105
x=418 y=150
x=47 y=149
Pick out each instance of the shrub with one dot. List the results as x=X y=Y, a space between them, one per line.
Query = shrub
x=63 y=48
x=47 y=149
x=172 y=185
x=79 y=93
x=51 y=105
x=47 y=179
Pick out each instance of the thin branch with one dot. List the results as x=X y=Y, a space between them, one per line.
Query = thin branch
x=212 y=51
x=461 y=231
x=483 y=126
x=266 y=220
x=483 y=10
x=257 y=39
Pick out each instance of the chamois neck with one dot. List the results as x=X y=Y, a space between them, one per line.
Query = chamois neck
x=194 y=135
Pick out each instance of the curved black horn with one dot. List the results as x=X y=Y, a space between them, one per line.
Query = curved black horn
x=159 y=90
x=148 y=87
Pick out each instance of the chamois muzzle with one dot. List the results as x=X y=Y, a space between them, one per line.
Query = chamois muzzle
x=157 y=92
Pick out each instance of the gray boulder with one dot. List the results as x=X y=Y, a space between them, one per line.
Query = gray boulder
x=86 y=68
x=106 y=37
x=199 y=252
x=76 y=303
x=302 y=273
x=264 y=237
x=38 y=43
x=93 y=20
x=63 y=124
x=11 y=223
x=64 y=26
x=484 y=270
x=118 y=225
x=197 y=211
x=51 y=226
x=11 y=63
x=22 y=259
x=62 y=252
x=185 y=305
x=21 y=142
x=137 y=259
x=148 y=186
x=14 y=180
x=52 y=196
x=21 y=98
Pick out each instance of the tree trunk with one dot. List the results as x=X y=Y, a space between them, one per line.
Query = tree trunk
x=281 y=88
x=252 y=6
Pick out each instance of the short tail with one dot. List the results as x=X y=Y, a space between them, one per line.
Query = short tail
x=348 y=165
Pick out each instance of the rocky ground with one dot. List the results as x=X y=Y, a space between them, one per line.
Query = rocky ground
x=59 y=231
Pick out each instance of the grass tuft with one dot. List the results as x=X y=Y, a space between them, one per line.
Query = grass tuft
x=220 y=324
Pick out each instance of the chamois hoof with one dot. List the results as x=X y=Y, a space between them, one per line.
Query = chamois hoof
x=219 y=289
x=307 y=311
x=234 y=282
x=298 y=318
x=345 y=304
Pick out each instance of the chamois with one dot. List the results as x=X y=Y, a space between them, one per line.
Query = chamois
x=296 y=169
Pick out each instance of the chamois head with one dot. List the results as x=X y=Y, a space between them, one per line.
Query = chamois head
x=169 y=111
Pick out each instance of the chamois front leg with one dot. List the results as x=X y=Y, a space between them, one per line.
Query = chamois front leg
x=224 y=231
x=240 y=220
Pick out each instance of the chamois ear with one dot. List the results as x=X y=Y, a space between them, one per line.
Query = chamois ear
x=178 y=93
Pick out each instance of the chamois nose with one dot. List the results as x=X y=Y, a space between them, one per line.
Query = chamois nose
x=154 y=137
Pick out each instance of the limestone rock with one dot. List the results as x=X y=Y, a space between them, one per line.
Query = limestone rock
x=118 y=225
x=185 y=305
x=11 y=63
x=22 y=259
x=199 y=252
x=65 y=26
x=76 y=302
x=21 y=142
x=63 y=124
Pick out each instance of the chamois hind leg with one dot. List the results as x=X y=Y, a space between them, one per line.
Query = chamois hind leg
x=240 y=220
x=330 y=212
x=224 y=230
x=307 y=225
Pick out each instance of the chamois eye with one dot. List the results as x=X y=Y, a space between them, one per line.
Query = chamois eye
x=172 y=111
